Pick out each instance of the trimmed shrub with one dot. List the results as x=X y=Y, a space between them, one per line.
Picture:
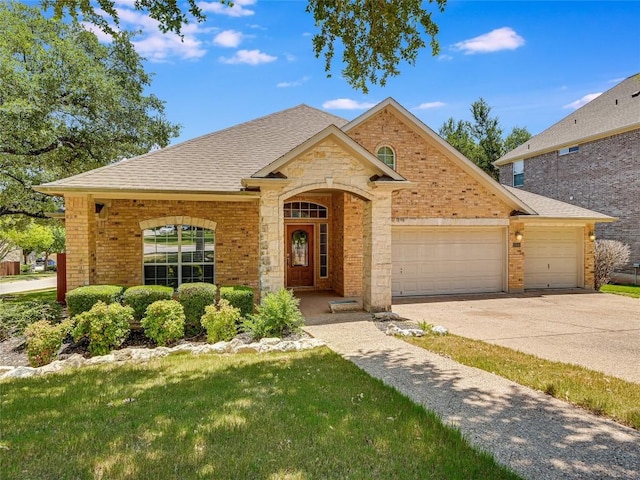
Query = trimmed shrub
x=194 y=297
x=44 y=340
x=141 y=296
x=239 y=297
x=106 y=326
x=609 y=255
x=15 y=317
x=164 y=321
x=278 y=315
x=220 y=322
x=82 y=299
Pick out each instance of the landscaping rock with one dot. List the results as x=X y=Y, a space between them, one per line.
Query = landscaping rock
x=440 y=330
x=20 y=372
x=386 y=316
x=393 y=329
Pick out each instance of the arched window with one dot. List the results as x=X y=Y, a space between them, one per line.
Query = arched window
x=176 y=254
x=304 y=210
x=388 y=156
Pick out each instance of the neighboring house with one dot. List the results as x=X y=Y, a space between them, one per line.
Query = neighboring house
x=375 y=207
x=591 y=159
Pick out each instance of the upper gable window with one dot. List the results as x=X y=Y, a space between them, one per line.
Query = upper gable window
x=565 y=151
x=518 y=173
x=304 y=210
x=388 y=156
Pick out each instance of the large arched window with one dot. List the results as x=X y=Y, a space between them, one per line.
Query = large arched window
x=387 y=156
x=176 y=254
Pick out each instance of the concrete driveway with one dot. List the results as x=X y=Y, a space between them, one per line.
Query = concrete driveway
x=599 y=331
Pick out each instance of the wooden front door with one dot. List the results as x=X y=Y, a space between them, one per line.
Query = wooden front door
x=299 y=243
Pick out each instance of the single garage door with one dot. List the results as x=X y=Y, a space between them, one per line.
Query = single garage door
x=552 y=257
x=436 y=261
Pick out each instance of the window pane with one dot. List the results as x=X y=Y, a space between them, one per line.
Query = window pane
x=300 y=248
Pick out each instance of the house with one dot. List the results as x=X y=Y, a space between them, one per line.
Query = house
x=591 y=159
x=373 y=207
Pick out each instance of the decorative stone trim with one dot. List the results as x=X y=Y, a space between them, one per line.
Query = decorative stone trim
x=177 y=220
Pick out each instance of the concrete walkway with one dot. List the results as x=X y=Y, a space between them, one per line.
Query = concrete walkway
x=28 y=285
x=534 y=434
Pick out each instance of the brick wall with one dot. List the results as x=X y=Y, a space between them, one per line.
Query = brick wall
x=603 y=175
x=118 y=239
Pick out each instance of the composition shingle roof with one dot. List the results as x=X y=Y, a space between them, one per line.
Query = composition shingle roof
x=215 y=162
x=550 y=208
x=615 y=111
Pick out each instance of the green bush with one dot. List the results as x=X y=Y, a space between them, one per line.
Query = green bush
x=82 y=299
x=106 y=326
x=239 y=297
x=141 y=296
x=220 y=322
x=278 y=314
x=164 y=321
x=25 y=268
x=44 y=339
x=194 y=297
x=15 y=317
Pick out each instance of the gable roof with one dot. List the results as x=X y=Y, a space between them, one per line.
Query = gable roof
x=615 y=111
x=215 y=162
x=546 y=207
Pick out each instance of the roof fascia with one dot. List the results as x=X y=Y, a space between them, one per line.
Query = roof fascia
x=541 y=219
x=123 y=194
x=342 y=138
x=463 y=162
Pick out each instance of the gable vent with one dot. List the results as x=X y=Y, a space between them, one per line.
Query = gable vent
x=635 y=94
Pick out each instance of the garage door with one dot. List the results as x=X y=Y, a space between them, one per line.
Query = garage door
x=552 y=257
x=435 y=261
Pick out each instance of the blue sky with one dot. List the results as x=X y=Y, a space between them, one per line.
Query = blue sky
x=534 y=62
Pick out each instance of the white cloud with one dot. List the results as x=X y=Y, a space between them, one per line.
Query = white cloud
x=346 y=104
x=429 y=105
x=504 y=38
x=582 y=101
x=295 y=83
x=158 y=47
x=249 y=57
x=238 y=9
x=102 y=36
x=444 y=57
x=228 y=38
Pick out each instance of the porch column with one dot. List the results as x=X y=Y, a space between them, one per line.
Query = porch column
x=376 y=279
x=80 y=225
x=271 y=269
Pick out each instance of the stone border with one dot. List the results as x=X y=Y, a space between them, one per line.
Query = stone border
x=235 y=346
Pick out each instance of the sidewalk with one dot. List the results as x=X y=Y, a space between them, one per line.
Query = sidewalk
x=536 y=435
x=27 y=285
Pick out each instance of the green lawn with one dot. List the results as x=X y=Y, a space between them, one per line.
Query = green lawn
x=601 y=394
x=26 y=276
x=278 y=416
x=46 y=295
x=626 y=290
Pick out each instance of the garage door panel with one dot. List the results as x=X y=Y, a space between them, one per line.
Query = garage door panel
x=434 y=261
x=552 y=257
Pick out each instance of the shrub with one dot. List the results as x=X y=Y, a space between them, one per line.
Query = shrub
x=141 y=296
x=105 y=326
x=15 y=317
x=82 y=299
x=194 y=297
x=220 y=322
x=25 y=268
x=44 y=339
x=239 y=297
x=164 y=321
x=278 y=314
x=609 y=255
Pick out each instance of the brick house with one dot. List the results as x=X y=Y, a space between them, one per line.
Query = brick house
x=591 y=159
x=370 y=208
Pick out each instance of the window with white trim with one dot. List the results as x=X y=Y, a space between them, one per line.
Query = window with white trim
x=566 y=151
x=387 y=156
x=518 y=173
x=176 y=254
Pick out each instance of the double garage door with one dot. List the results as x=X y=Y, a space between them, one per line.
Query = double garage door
x=437 y=261
x=553 y=257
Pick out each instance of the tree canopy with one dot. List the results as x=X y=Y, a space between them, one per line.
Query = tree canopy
x=481 y=141
x=376 y=35
x=67 y=104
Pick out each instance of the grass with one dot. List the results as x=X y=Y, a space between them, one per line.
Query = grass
x=45 y=295
x=626 y=290
x=27 y=276
x=599 y=393
x=279 y=416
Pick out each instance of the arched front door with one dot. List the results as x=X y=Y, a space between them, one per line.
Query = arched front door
x=299 y=243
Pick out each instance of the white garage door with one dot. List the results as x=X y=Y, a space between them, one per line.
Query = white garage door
x=552 y=257
x=435 y=260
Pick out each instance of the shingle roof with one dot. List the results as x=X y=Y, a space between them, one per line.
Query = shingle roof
x=550 y=208
x=615 y=111
x=215 y=162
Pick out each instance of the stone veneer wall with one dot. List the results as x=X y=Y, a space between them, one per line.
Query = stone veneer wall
x=117 y=239
x=603 y=175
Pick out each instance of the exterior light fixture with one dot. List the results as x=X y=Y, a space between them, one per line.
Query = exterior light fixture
x=592 y=236
x=519 y=236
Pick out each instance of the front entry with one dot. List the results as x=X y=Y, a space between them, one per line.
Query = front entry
x=299 y=245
